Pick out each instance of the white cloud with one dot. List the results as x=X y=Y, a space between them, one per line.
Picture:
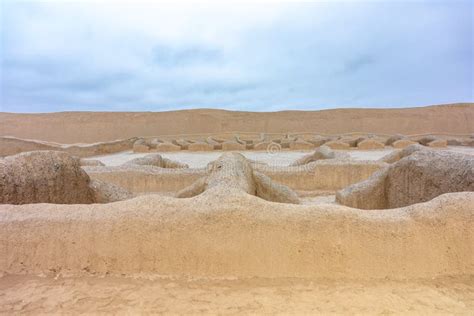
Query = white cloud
x=152 y=56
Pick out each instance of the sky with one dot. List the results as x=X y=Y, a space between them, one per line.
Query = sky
x=260 y=56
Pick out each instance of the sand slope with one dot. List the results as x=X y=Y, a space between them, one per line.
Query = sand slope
x=90 y=127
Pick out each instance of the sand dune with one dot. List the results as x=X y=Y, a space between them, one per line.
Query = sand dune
x=74 y=127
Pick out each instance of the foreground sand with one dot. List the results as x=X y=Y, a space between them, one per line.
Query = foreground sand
x=110 y=294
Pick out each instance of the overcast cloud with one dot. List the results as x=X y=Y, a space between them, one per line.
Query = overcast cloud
x=58 y=56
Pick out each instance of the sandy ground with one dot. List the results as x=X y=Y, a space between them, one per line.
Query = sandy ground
x=92 y=127
x=35 y=295
x=282 y=158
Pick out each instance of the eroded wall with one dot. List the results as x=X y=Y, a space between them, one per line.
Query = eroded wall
x=12 y=145
x=240 y=236
x=146 y=178
x=321 y=175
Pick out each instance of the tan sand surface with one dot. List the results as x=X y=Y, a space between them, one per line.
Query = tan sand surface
x=91 y=127
x=111 y=294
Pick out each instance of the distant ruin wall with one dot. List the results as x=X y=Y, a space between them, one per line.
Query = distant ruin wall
x=12 y=145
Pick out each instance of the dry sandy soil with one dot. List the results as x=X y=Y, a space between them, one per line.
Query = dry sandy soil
x=35 y=295
x=91 y=127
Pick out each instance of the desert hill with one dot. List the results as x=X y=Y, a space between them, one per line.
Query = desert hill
x=88 y=127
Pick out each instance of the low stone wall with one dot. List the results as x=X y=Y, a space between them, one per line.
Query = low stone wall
x=240 y=236
x=418 y=177
x=330 y=174
x=320 y=175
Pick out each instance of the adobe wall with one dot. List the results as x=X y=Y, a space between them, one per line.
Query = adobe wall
x=330 y=174
x=146 y=178
x=240 y=236
x=12 y=145
x=321 y=175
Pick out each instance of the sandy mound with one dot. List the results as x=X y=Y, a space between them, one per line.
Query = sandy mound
x=335 y=144
x=153 y=142
x=233 y=145
x=149 y=160
x=166 y=147
x=432 y=141
x=43 y=177
x=370 y=144
x=156 y=160
x=216 y=144
x=53 y=177
x=105 y=192
x=353 y=141
x=140 y=146
x=396 y=155
x=270 y=190
x=200 y=146
x=426 y=139
x=233 y=172
x=300 y=144
x=318 y=140
x=419 y=177
x=323 y=152
x=183 y=144
x=403 y=143
x=455 y=142
x=438 y=143
x=392 y=139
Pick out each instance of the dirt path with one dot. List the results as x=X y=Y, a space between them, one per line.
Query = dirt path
x=34 y=295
